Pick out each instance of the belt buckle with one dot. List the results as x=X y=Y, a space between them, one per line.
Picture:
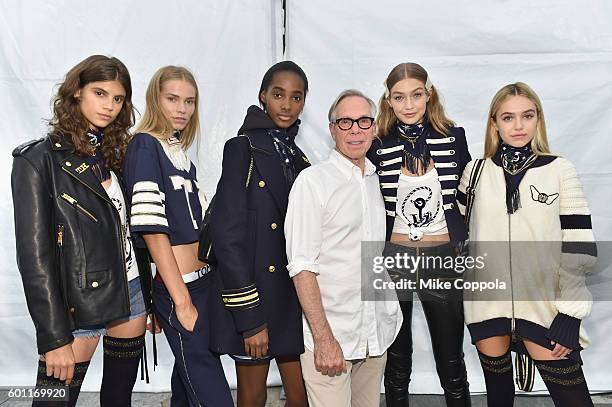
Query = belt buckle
x=203 y=271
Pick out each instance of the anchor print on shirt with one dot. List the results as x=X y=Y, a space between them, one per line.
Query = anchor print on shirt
x=542 y=197
x=129 y=257
x=412 y=209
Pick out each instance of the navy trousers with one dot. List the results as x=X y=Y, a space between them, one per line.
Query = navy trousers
x=197 y=377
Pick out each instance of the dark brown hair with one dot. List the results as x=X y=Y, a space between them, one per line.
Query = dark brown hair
x=69 y=124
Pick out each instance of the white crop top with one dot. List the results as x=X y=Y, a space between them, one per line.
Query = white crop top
x=419 y=208
x=116 y=195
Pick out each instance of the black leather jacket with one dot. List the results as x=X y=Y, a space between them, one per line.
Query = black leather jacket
x=70 y=244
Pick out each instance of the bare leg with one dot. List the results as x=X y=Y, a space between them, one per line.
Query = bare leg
x=293 y=382
x=252 y=390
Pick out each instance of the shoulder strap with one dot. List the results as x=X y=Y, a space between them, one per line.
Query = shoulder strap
x=473 y=182
x=25 y=146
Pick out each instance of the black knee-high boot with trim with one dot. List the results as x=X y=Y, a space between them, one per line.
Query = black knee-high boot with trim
x=121 y=359
x=565 y=382
x=498 y=379
x=73 y=389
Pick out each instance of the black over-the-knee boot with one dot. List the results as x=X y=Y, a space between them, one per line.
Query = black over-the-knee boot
x=446 y=327
x=565 y=382
x=498 y=379
x=73 y=389
x=121 y=359
x=399 y=362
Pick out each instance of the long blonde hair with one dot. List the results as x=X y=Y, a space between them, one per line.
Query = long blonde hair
x=434 y=110
x=153 y=120
x=539 y=143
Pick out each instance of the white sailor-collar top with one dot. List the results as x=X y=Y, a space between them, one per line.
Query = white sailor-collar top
x=450 y=155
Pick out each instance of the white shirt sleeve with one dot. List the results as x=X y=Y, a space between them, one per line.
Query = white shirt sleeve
x=303 y=224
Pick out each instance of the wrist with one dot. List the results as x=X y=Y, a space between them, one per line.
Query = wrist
x=183 y=302
x=324 y=337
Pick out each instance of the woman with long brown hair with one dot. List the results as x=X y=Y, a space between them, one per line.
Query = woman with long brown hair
x=419 y=157
x=79 y=269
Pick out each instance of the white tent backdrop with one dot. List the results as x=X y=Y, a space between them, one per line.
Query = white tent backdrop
x=563 y=49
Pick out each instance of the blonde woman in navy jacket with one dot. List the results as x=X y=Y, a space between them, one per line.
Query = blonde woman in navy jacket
x=419 y=157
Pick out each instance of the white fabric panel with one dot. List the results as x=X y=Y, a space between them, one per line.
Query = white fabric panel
x=561 y=48
x=228 y=46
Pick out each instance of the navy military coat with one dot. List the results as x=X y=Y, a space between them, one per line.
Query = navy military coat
x=249 y=245
x=450 y=155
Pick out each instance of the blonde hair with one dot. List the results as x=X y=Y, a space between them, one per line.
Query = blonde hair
x=539 y=143
x=434 y=111
x=153 y=120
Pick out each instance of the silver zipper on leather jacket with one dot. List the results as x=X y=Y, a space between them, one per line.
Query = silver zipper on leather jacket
x=75 y=203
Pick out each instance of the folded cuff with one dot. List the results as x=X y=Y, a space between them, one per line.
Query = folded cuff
x=254 y=331
x=565 y=330
x=295 y=268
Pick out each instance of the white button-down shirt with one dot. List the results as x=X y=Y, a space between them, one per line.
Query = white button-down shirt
x=333 y=207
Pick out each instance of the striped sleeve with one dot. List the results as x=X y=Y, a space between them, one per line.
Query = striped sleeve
x=241 y=298
x=578 y=247
x=148 y=206
x=145 y=187
x=575 y=217
x=462 y=188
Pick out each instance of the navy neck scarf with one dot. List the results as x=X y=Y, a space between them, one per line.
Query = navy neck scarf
x=416 y=156
x=515 y=161
x=98 y=166
x=284 y=142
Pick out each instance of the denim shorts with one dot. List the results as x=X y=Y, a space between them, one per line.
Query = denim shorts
x=137 y=309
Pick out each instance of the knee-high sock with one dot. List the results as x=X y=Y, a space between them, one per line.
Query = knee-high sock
x=121 y=359
x=565 y=382
x=42 y=380
x=498 y=379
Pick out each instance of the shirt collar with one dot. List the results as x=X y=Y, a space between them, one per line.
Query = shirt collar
x=347 y=167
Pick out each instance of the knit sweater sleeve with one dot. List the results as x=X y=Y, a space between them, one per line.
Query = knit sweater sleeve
x=578 y=249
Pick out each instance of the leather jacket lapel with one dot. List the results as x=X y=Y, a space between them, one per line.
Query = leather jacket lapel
x=75 y=166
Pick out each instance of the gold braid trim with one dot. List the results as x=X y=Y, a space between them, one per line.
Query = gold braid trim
x=563 y=382
x=128 y=354
x=558 y=370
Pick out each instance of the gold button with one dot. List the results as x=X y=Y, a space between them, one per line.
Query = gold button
x=95 y=284
x=271 y=269
x=225 y=300
x=262 y=184
x=274 y=226
x=58 y=145
x=68 y=164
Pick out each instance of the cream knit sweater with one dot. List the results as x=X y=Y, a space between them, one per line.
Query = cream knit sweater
x=543 y=278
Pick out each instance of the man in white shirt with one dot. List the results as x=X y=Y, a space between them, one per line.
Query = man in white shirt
x=333 y=207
